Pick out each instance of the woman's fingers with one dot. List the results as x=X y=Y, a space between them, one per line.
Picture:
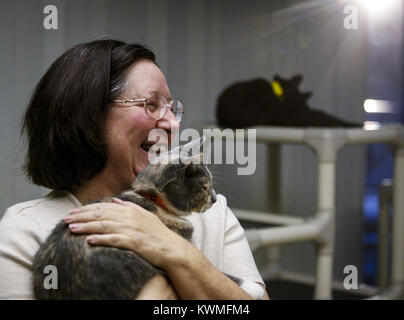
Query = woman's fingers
x=126 y=225
x=116 y=205
x=96 y=206
x=119 y=201
x=99 y=227
x=126 y=203
x=98 y=211
x=115 y=240
x=94 y=215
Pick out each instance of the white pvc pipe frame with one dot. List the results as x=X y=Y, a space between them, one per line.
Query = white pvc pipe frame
x=321 y=228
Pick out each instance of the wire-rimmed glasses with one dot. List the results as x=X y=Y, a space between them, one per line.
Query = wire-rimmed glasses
x=156 y=106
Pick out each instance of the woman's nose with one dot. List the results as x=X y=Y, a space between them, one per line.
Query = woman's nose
x=168 y=122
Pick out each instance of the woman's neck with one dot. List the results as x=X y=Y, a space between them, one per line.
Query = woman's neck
x=94 y=189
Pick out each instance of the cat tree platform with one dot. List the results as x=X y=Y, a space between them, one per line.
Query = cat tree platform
x=320 y=228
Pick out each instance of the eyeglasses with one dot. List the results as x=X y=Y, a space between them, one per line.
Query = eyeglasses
x=156 y=106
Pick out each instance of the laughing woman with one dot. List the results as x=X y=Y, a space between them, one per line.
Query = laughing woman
x=84 y=146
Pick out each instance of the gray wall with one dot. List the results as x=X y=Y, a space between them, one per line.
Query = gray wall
x=203 y=46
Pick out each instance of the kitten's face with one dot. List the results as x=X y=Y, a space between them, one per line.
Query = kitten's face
x=183 y=187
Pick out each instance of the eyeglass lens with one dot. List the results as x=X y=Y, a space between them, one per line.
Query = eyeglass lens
x=157 y=106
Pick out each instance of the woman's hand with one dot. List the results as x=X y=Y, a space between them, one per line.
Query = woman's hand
x=126 y=225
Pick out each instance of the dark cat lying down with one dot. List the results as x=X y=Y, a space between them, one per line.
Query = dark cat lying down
x=95 y=272
x=280 y=102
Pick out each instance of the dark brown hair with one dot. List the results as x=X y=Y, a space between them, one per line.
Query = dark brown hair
x=64 y=121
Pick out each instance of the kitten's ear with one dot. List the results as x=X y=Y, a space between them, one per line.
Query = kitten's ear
x=192 y=151
x=192 y=148
x=195 y=159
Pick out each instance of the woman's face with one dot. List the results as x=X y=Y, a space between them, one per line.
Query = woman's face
x=127 y=129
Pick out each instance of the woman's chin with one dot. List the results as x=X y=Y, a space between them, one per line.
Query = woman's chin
x=142 y=161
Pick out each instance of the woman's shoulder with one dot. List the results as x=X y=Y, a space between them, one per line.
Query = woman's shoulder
x=35 y=216
x=23 y=228
x=54 y=200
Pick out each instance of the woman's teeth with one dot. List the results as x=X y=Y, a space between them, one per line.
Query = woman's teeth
x=146 y=147
x=156 y=148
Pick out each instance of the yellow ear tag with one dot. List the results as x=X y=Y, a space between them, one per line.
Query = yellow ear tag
x=277 y=89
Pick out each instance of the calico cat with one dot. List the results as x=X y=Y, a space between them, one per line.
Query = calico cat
x=169 y=190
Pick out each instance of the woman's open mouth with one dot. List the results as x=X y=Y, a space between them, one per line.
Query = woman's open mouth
x=154 y=147
x=146 y=146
